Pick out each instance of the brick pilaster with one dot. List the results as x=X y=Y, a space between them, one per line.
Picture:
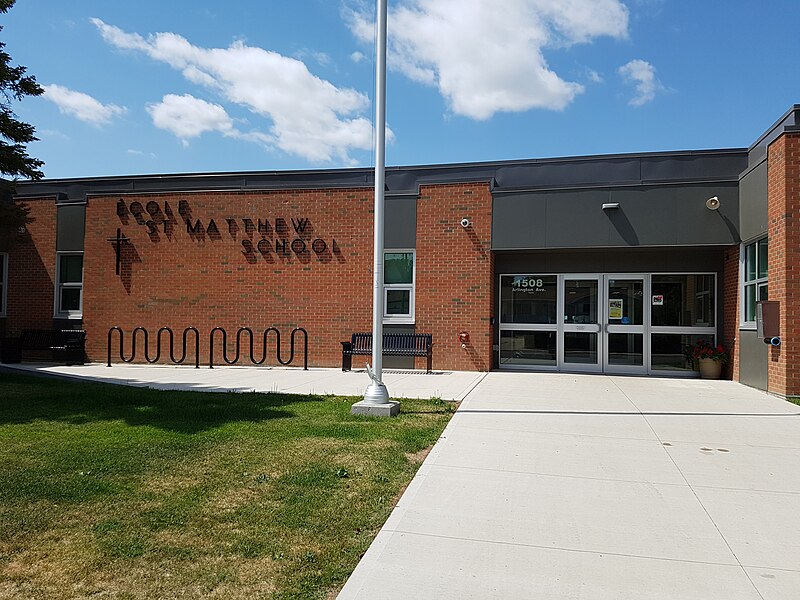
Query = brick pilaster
x=784 y=260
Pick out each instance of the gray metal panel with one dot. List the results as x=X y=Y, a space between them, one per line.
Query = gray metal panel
x=596 y=170
x=690 y=167
x=698 y=224
x=577 y=219
x=753 y=202
x=400 y=222
x=396 y=362
x=613 y=260
x=549 y=173
x=646 y=217
x=519 y=221
x=71 y=225
x=753 y=360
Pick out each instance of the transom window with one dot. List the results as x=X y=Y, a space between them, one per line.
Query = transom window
x=755 y=265
x=398 y=286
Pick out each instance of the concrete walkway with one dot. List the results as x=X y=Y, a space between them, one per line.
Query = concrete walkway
x=448 y=385
x=560 y=486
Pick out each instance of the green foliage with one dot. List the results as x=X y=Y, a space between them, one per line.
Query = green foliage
x=15 y=84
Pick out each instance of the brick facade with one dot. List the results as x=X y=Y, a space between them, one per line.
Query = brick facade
x=730 y=309
x=31 y=271
x=784 y=260
x=307 y=263
x=455 y=272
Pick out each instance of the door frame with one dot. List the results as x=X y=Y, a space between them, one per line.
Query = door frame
x=643 y=329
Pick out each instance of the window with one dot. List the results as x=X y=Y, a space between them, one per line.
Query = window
x=398 y=286
x=683 y=312
x=754 y=278
x=3 y=283
x=69 y=285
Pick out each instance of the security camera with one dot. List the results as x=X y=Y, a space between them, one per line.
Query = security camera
x=465 y=223
x=712 y=203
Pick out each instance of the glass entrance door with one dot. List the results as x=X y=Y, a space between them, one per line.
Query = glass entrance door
x=625 y=319
x=581 y=332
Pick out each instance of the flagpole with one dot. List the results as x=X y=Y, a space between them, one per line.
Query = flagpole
x=376 y=397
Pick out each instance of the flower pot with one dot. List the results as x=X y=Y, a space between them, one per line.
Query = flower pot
x=709 y=368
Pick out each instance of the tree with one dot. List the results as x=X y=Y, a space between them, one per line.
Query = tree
x=15 y=162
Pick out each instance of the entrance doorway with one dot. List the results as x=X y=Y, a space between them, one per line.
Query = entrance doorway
x=616 y=323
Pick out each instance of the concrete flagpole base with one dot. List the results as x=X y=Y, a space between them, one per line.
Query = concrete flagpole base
x=376 y=402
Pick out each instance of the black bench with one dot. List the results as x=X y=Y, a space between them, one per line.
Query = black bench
x=57 y=345
x=394 y=344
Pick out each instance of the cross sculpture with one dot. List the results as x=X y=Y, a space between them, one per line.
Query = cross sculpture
x=117 y=241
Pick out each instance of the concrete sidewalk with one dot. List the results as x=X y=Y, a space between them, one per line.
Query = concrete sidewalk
x=448 y=385
x=560 y=486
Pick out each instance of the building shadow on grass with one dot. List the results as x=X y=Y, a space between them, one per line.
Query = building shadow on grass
x=28 y=398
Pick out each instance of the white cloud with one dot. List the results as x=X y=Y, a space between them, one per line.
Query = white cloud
x=594 y=76
x=357 y=56
x=188 y=117
x=310 y=117
x=134 y=152
x=487 y=57
x=643 y=75
x=82 y=106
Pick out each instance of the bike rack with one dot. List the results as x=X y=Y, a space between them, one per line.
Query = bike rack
x=178 y=361
x=249 y=332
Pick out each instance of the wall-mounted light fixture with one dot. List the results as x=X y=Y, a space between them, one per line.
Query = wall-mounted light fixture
x=465 y=222
x=713 y=203
x=610 y=205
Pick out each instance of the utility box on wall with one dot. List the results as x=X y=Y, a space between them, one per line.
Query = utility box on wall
x=768 y=316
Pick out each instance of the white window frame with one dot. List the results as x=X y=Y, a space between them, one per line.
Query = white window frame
x=757 y=282
x=4 y=283
x=68 y=314
x=411 y=287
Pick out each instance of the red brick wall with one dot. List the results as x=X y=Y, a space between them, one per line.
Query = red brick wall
x=784 y=260
x=730 y=316
x=455 y=273
x=181 y=279
x=31 y=271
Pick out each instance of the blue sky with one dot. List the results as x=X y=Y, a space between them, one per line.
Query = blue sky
x=198 y=86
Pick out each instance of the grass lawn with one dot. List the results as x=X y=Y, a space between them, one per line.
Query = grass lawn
x=120 y=492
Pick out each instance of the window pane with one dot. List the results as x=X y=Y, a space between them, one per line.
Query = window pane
x=398 y=302
x=625 y=349
x=528 y=299
x=398 y=267
x=625 y=300
x=750 y=262
x=763 y=292
x=2 y=306
x=750 y=303
x=667 y=350
x=763 y=256
x=70 y=299
x=71 y=268
x=580 y=301
x=683 y=300
x=580 y=347
x=528 y=348
x=2 y=267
